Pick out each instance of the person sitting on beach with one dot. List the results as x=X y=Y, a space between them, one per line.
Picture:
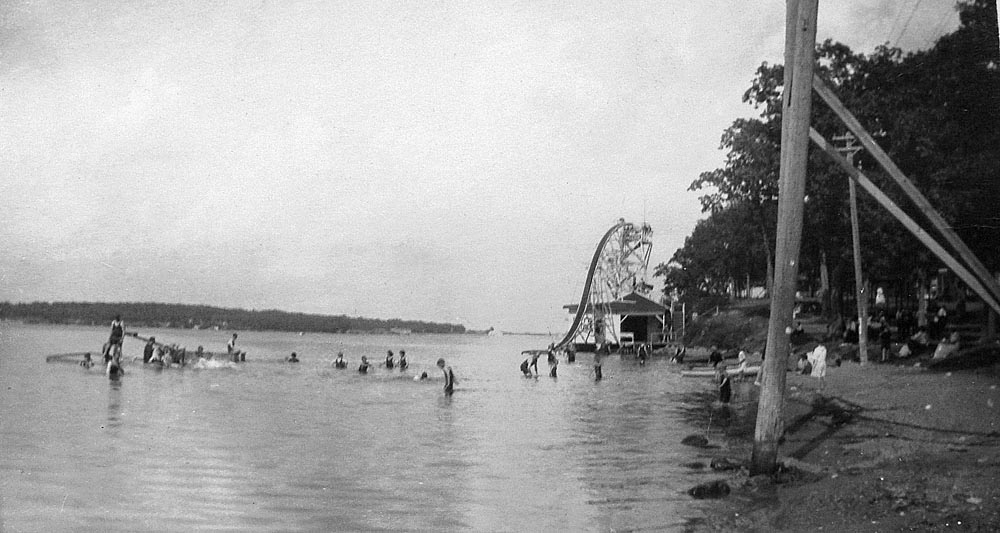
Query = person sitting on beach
x=526 y=368
x=339 y=361
x=803 y=365
x=87 y=361
x=292 y=358
x=449 y=377
x=725 y=386
x=388 y=359
x=364 y=365
x=402 y=360
x=715 y=357
x=947 y=346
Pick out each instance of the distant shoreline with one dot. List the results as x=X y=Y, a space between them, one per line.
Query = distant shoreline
x=201 y=317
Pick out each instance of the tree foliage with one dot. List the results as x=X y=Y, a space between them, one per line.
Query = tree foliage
x=935 y=112
x=202 y=316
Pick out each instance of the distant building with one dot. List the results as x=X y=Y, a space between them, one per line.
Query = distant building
x=637 y=317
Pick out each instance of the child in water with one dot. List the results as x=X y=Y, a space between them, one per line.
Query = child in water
x=292 y=358
x=364 y=365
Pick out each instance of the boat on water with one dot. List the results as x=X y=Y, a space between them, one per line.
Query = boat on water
x=710 y=372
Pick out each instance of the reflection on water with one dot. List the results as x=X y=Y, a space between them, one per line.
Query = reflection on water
x=268 y=445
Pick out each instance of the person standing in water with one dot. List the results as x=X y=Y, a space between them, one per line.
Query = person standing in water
x=449 y=378
x=147 y=351
x=364 y=365
x=598 y=375
x=234 y=354
x=339 y=362
x=402 y=360
x=116 y=339
x=388 y=360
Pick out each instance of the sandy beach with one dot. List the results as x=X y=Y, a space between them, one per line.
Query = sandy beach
x=880 y=447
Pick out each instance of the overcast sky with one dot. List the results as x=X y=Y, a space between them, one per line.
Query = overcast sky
x=443 y=161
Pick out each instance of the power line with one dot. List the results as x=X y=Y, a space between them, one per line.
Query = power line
x=907 y=25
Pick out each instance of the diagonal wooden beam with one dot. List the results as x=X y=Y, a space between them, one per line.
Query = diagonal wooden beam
x=960 y=270
x=866 y=140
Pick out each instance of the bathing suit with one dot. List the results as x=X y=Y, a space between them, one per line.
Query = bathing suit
x=363 y=368
x=449 y=381
x=117 y=332
x=402 y=363
x=388 y=361
x=340 y=363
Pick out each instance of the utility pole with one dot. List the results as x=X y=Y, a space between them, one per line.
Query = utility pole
x=800 y=42
x=850 y=149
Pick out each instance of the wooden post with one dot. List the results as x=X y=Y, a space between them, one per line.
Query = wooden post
x=861 y=299
x=956 y=266
x=800 y=41
x=852 y=123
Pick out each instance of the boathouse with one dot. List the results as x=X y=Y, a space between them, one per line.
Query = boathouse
x=633 y=316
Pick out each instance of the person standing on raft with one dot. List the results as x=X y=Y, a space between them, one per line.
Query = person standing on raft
x=449 y=378
x=116 y=339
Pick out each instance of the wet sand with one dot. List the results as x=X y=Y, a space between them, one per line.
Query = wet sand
x=882 y=447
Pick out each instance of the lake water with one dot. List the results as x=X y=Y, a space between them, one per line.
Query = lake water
x=275 y=446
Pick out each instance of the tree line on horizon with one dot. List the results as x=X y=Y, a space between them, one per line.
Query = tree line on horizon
x=935 y=112
x=207 y=317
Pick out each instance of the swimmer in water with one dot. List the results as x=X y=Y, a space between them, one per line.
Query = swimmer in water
x=292 y=358
x=449 y=377
x=87 y=361
x=402 y=360
x=421 y=377
x=339 y=362
x=115 y=367
x=364 y=365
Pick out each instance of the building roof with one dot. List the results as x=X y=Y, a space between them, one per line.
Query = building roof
x=630 y=304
